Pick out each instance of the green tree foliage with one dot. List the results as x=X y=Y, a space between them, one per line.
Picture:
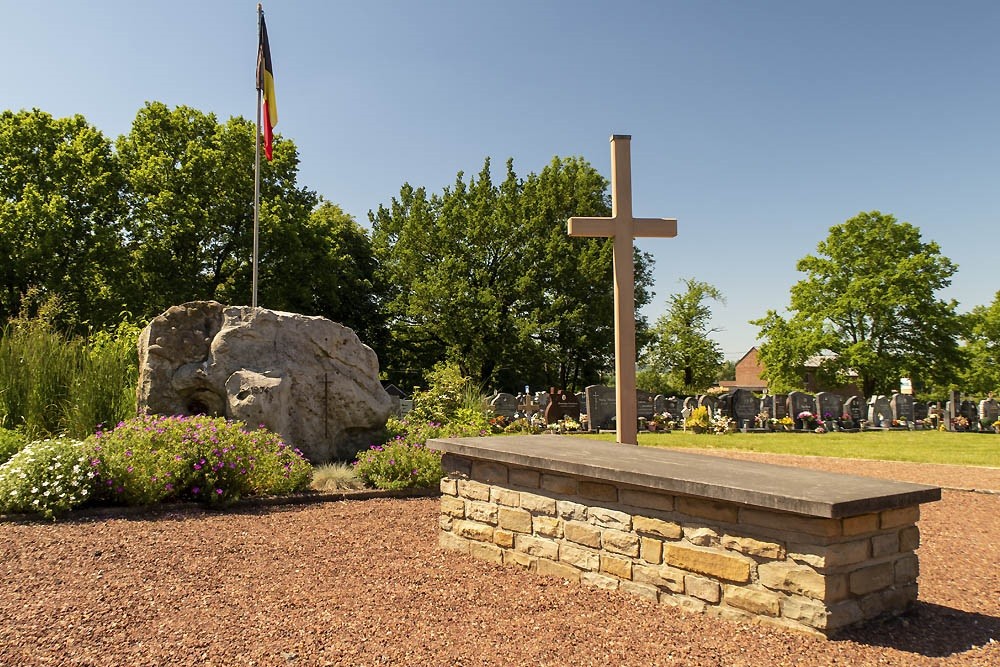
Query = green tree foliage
x=983 y=349
x=485 y=276
x=60 y=208
x=681 y=348
x=869 y=298
x=190 y=209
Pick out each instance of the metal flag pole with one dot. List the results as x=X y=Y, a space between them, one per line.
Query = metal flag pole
x=256 y=168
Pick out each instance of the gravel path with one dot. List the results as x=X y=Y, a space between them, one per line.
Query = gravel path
x=363 y=583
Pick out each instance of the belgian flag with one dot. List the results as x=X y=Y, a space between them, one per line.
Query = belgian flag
x=265 y=84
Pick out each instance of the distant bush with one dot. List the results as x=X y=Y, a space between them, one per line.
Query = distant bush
x=11 y=442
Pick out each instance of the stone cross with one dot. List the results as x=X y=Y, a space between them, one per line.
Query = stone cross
x=623 y=228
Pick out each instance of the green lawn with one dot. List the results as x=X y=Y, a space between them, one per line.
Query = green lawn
x=978 y=449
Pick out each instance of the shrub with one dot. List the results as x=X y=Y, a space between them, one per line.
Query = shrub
x=49 y=477
x=151 y=459
x=11 y=442
x=699 y=418
x=335 y=477
x=400 y=465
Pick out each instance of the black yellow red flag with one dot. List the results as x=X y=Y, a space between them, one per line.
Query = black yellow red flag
x=265 y=84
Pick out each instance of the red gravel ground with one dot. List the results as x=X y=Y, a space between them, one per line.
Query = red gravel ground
x=362 y=582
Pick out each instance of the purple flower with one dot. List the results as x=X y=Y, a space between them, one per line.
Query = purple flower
x=195 y=490
x=128 y=452
x=218 y=492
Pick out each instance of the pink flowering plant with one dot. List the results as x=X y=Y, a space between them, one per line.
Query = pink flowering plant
x=400 y=464
x=152 y=459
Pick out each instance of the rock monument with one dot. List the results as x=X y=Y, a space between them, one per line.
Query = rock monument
x=307 y=378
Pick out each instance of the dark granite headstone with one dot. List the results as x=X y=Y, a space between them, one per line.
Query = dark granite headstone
x=582 y=397
x=601 y=406
x=829 y=405
x=879 y=411
x=902 y=406
x=658 y=402
x=970 y=411
x=855 y=406
x=799 y=402
x=920 y=410
x=989 y=412
x=710 y=402
x=561 y=404
x=690 y=403
x=746 y=407
x=503 y=405
x=644 y=404
x=672 y=405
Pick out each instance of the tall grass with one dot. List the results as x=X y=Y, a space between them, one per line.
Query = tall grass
x=52 y=384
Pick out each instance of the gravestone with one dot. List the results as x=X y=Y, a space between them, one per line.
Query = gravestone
x=658 y=404
x=582 y=397
x=725 y=405
x=970 y=411
x=504 y=405
x=879 y=411
x=306 y=378
x=855 y=406
x=710 y=402
x=989 y=412
x=672 y=406
x=542 y=400
x=776 y=405
x=829 y=405
x=690 y=403
x=600 y=406
x=920 y=410
x=644 y=404
x=799 y=402
x=561 y=404
x=746 y=407
x=902 y=407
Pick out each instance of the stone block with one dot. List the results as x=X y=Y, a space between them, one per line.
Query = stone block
x=471 y=530
x=516 y=520
x=452 y=506
x=702 y=588
x=646 y=574
x=617 y=566
x=829 y=556
x=489 y=472
x=538 y=504
x=872 y=578
x=707 y=509
x=578 y=557
x=536 y=546
x=503 y=538
x=647 y=591
x=792 y=578
x=524 y=478
x=665 y=529
x=481 y=512
x=488 y=552
x=672 y=578
x=885 y=544
x=505 y=497
x=620 y=542
x=651 y=550
x=646 y=500
x=601 y=581
x=559 y=484
x=582 y=533
x=844 y=614
x=597 y=491
x=570 y=511
x=791 y=523
x=552 y=569
x=549 y=526
x=906 y=569
x=805 y=610
x=445 y=522
x=859 y=525
x=520 y=559
x=756 y=601
x=606 y=518
x=901 y=516
x=708 y=562
x=449 y=486
x=700 y=536
x=909 y=539
x=456 y=467
x=685 y=604
x=473 y=490
x=751 y=547
x=452 y=542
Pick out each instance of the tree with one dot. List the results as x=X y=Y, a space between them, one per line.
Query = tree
x=869 y=298
x=681 y=348
x=485 y=276
x=60 y=210
x=983 y=349
x=190 y=206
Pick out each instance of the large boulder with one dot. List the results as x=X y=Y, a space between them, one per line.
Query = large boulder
x=307 y=378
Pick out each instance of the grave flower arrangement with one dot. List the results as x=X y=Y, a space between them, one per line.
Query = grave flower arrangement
x=960 y=423
x=698 y=420
x=807 y=419
x=722 y=424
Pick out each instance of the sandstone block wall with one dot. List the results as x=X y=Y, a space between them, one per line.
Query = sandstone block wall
x=813 y=574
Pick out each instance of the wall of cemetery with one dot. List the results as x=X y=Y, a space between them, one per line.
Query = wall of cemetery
x=736 y=561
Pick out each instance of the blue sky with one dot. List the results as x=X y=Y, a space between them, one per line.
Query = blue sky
x=758 y=125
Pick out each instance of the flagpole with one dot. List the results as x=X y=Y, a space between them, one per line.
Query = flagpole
x=256 y=169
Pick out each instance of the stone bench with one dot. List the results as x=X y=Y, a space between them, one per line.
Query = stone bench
x=803 y=549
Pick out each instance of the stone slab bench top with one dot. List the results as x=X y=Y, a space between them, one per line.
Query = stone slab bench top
x=805 y=492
